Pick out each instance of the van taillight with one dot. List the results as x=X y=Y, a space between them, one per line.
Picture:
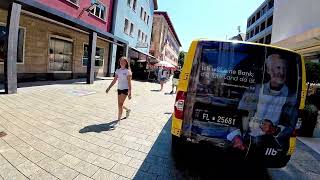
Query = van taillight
x=179 y=104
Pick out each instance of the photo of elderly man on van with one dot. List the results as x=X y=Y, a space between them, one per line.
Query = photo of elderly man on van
x=272 y=106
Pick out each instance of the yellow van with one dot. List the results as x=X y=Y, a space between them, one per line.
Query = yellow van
x=240 y=96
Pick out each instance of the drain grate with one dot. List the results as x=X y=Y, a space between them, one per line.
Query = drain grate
x=2 y=134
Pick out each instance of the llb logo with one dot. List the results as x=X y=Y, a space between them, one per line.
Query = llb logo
x=271 y=152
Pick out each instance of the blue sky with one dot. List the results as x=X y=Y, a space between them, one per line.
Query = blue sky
x=213 y=19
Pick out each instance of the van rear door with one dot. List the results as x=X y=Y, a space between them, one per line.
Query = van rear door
x=227 y=81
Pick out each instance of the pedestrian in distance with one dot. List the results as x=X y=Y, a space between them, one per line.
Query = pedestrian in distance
x=175 y=80
x=163 y=77
x=123 y=75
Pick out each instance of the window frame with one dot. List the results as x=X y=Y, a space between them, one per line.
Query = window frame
x=134 y=5
x=97 y=67
x=141 y=12
x=93 y=11
x=126 y=30
x=24 y=42
x=75 y=4
x=131 y=30
x=63 y=39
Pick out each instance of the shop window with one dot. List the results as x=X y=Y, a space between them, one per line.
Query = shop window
x=269 y=21
x=20 y=48
x=99 y=10
x=60 y=54
x=98 y=57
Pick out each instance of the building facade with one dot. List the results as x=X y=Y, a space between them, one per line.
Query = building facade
x=259 y=24
x=132 y=21
x=301 y=30
x=165 y=43
x=49 y=40
x=51 y=49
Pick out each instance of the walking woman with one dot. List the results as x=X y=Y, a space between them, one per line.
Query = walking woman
x=123 y=75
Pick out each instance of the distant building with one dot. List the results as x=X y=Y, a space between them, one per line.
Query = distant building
x=296 y=26
x=132 y=21
x=165 y=43
x=239 y=37
x=259 y=24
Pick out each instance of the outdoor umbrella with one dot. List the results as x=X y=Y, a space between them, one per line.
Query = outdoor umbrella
x=165 y=64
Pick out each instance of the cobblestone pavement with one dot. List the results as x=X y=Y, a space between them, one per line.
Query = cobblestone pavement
x=67 y=131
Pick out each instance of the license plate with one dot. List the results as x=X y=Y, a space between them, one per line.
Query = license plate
x=223 y=118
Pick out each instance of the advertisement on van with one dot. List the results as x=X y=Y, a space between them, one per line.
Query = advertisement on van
x=245 y=97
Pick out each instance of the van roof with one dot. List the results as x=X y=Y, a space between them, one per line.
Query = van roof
x=245 y=42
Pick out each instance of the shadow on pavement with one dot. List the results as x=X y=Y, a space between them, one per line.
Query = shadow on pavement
x=195 y=162
x=45 y=83
x=99 y=127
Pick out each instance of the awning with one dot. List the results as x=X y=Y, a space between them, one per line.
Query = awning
x=139 y=54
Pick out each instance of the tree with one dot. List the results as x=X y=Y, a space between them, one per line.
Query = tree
x=182 y=54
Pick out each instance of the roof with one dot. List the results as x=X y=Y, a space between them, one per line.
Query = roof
x=247 y=42
x=155 y=4
x=166 y=16
x=240 y=37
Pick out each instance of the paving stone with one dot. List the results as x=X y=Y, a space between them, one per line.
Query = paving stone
x=63 y=172
x=124 y=170
x=102 y=174
x=7 y=171
x=104 y=163
x=86 y=168
x=119 y=149
x=85 y=155
x=120 y=158
x=28 y=168
x=82 y=177
x=42 y=175
x=69 y=160
x=136 y=154
x=14 y=157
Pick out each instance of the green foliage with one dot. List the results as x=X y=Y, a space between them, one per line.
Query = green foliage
x=181 y=58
